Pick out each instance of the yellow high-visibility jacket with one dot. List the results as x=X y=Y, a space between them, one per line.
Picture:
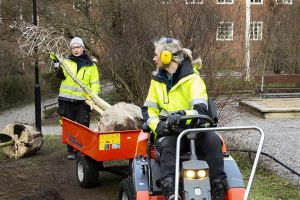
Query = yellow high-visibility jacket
x=87 y=74
x=185 y=90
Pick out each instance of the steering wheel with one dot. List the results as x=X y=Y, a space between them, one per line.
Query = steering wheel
x=196 y=121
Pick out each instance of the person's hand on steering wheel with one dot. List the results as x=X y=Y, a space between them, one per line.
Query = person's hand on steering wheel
x=174 y=120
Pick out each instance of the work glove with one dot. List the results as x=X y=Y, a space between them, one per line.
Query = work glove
x=170 y=126
x=180 y=112
x=162 y=129
x=53 y=57
x=54 y=60
x=174 y=120
x=88 y=96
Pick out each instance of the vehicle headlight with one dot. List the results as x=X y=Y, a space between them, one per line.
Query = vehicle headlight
x=190 y=174
x=196 y=174
x=202 y=173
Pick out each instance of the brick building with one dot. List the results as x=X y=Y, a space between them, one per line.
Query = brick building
x=231 y=30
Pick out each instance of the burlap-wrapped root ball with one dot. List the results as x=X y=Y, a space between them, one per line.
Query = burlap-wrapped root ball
x=27 y=140
x=121 y=116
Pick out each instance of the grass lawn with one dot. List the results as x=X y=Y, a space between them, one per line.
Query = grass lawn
x=266 y=185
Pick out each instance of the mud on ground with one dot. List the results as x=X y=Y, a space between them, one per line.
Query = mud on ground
x=48 y=175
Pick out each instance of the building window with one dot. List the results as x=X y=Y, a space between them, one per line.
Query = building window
x=284 y=1
x=193 y=1
x=256 y=1
x=225 y=31
x=225 y=1
x=256 y=30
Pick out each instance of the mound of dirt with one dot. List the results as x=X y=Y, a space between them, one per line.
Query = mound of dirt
x=47 y=174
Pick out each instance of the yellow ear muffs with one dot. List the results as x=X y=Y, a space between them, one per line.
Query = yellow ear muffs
x=165 y=57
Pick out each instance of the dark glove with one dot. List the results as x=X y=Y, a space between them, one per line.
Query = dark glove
x=180 y=112
x=173 y=121
x=162 y=129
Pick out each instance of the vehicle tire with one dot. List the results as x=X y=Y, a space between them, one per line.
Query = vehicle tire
x=127 y=191
x=86 y=171
x=130 y=167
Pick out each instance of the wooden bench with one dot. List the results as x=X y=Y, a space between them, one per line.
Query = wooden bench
x=278 y=85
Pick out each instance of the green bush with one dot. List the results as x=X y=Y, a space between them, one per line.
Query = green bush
x=16 y=89
x=50 y=84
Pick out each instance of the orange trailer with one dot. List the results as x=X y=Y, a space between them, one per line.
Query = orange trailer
x=93 y=148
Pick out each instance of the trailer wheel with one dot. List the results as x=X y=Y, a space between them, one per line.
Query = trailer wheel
x=127 y=191
x=130 y=167
x=86 y=170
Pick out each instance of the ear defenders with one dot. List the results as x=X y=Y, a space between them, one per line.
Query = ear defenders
x=165 y=55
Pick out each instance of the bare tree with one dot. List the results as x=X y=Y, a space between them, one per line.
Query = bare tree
x=120 y=33
x=280 y=48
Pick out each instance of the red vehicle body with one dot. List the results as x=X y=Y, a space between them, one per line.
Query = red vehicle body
x=233 y=193
x=93 y=148
x=100 y=146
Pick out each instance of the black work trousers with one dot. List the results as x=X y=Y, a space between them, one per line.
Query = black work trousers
x=208 y=148
x=76 y=111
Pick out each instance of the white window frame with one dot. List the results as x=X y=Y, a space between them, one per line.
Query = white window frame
x=256 y=35
x=225 y=1
x=228 y=34
x=255 y=1
x=193 y=2
x=290 y=2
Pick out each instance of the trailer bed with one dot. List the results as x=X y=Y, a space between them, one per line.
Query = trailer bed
x=100 y=146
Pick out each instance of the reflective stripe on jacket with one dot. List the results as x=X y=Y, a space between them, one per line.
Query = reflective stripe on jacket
x=164 y=98
x=88 y=75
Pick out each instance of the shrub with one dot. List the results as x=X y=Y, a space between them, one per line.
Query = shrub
x=16 y=89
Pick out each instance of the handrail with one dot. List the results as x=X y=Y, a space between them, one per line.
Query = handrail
x=198 y=130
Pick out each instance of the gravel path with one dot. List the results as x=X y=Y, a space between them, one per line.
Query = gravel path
x=282 y=136
x=26 y=114
x=282 y=141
